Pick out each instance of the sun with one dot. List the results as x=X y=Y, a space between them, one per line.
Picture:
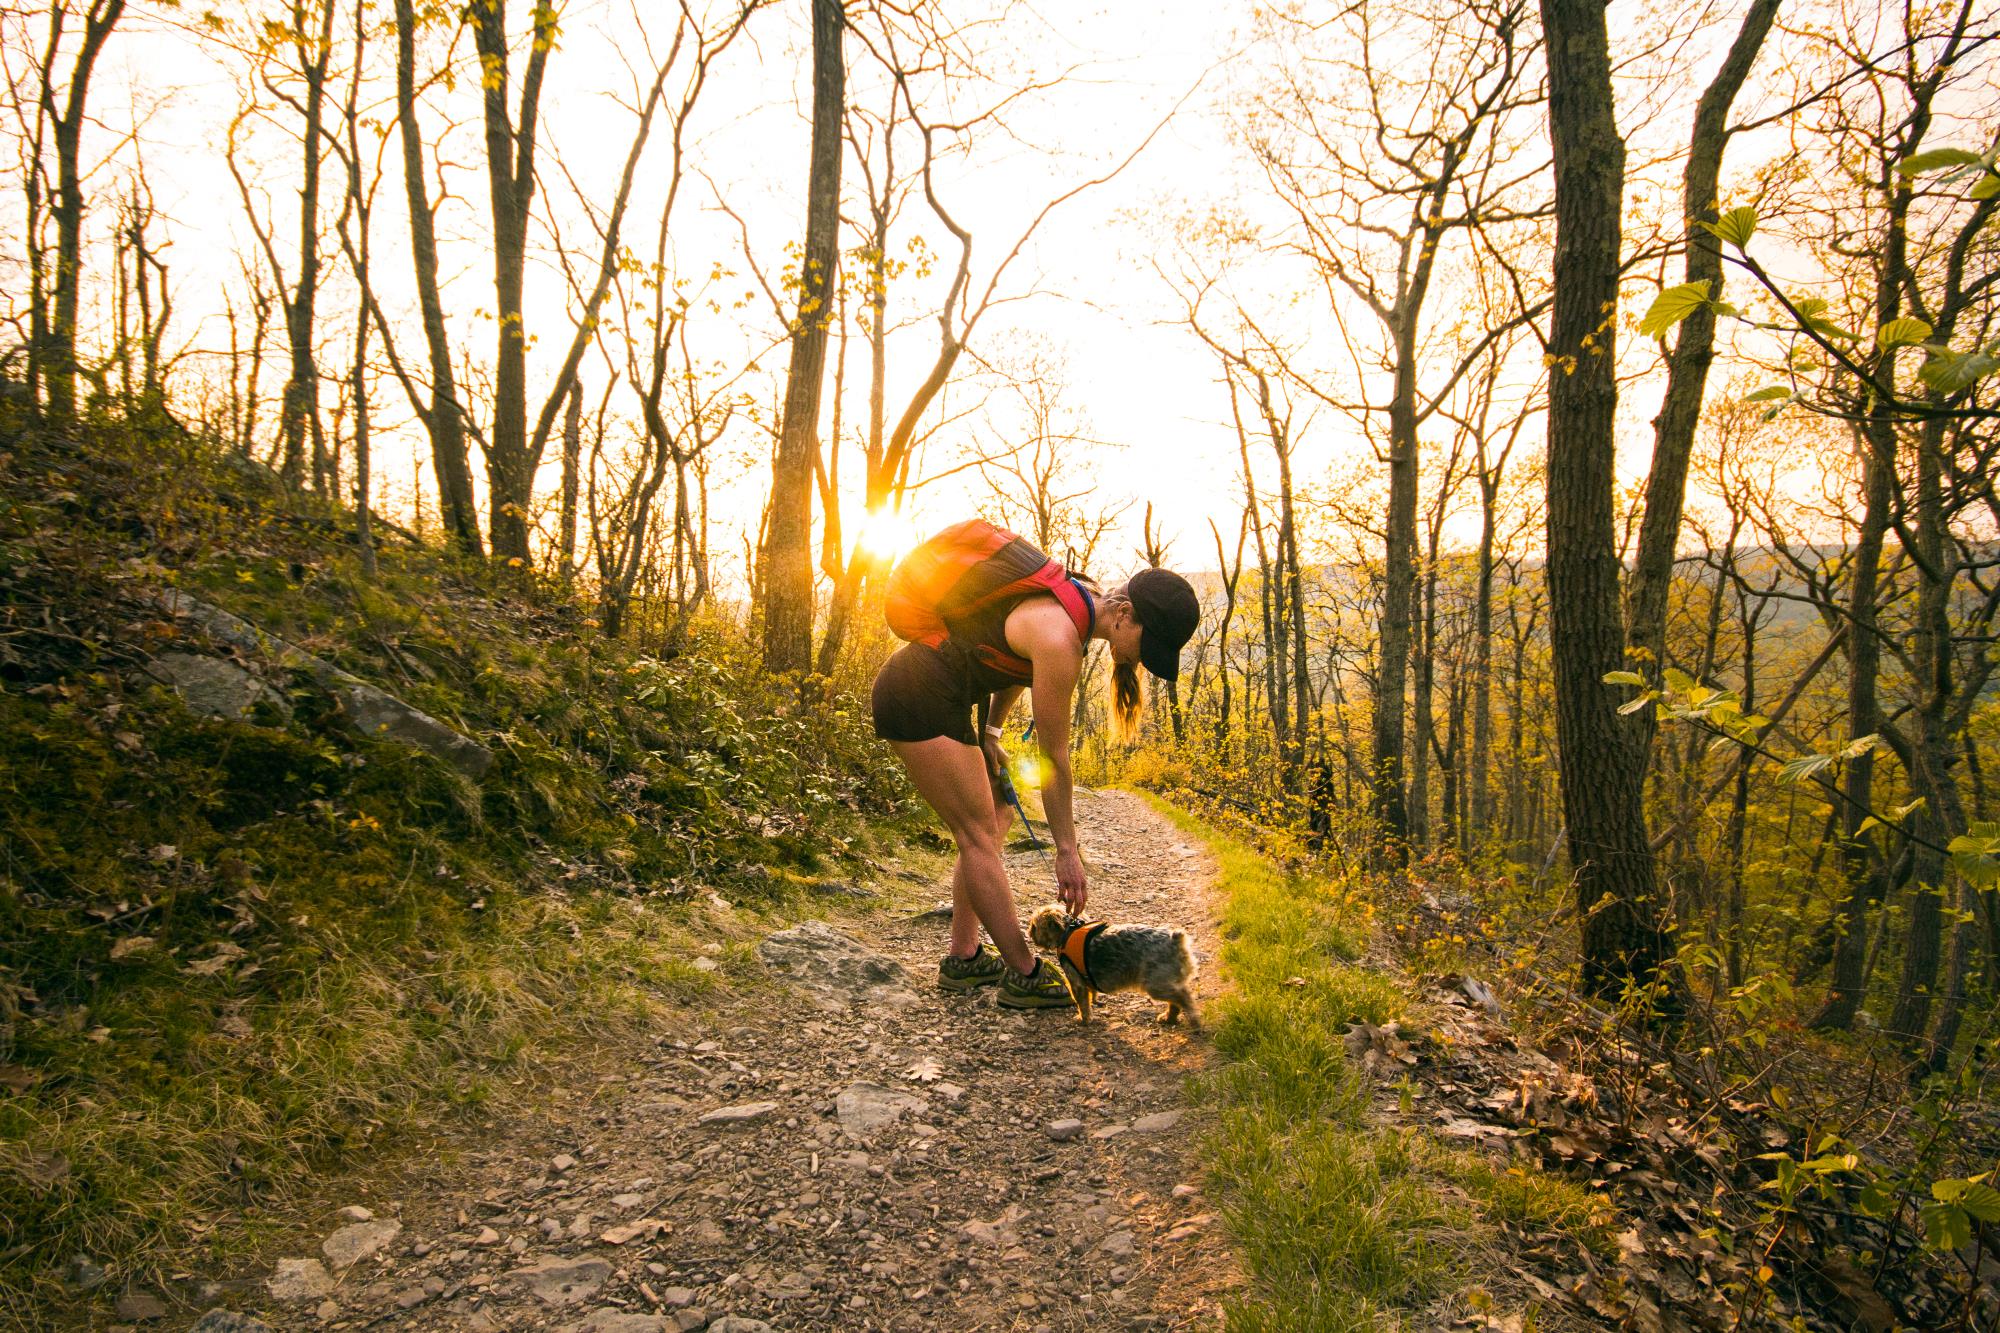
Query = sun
x=885 y=536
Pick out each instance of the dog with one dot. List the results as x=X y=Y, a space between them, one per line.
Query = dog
x=1098 y=958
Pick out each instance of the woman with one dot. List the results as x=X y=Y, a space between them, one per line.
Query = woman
x=989 y=617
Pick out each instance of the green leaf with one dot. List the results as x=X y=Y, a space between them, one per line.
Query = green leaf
x=1826 y=328
x=1623 y=678
x=1735 y=227
x=1808 y=306
x=1860 y=745
x=1672 y=306
x=1946 y=1228
x=1805 y=766
x=1985 y=187
x=1679 y=681
x=1775 y=391
x=1937 y=159
x=1632 y=706
x=1897 y=332
x=1951 y=371
x=1982 y=1202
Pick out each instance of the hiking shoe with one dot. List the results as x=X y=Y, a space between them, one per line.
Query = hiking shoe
x=984 y=968
x=1044 y=988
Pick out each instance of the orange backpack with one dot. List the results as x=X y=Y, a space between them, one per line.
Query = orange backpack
x=961 y=583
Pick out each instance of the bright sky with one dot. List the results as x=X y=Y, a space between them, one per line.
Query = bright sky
x=1092 y=301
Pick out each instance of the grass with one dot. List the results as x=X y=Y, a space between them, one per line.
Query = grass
x=1341 y=1223
x=231 y=951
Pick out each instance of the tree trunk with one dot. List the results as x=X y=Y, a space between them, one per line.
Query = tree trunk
x=1861 y=865
x=1602 y=766
x=1942 y=815
x=510 y=181
x=1694 y=350
x=299 y=412
x=787 y=562
x=572 y=454
x=1479 y=767
x=57 y=362
x=443 y=420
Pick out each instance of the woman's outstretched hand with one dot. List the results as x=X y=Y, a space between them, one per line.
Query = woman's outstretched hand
x=1070 y=885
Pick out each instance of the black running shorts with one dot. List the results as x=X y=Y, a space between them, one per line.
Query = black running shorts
x=922 y=693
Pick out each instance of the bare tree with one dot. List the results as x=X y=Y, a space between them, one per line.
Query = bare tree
x=442 y=415
x=510 y=179
x=60 y=115
x=1378 y=184
x=787 y=551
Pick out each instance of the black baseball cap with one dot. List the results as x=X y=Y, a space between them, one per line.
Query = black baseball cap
x=1168 y=612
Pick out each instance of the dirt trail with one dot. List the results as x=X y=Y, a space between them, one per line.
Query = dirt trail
x=617 y=1208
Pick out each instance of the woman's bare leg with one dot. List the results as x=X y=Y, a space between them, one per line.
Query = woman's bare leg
x=953 y=778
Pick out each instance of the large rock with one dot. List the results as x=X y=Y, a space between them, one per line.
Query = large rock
x=563 y=1281
x=299 y=1280
x=864 y=1108
x=738 y=1117
x=212 y=687
x=351 y=1244
x=836 y=970
x=370 y=711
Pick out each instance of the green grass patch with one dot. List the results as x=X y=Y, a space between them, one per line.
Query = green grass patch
x=1534 y=1200
x=1338 y=1222
x=1342 y=1224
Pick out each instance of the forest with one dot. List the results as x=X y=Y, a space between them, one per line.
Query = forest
x=1579 y=422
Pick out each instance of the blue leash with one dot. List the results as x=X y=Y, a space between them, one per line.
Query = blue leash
x=1014 y=797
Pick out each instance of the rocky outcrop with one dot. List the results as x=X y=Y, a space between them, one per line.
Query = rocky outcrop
x=369 y=711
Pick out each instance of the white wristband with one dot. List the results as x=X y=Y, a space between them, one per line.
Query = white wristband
x=996 y=733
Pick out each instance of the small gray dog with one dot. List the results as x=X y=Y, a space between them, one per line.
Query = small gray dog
x=1098 y=958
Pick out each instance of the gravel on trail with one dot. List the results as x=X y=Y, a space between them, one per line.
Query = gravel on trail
x=849 y=1147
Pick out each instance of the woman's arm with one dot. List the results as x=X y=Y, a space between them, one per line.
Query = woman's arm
x=1056 y=668
x=996 y=716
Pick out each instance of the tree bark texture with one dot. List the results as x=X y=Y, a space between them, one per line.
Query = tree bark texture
x=1601 y=763
x=56 y=362
x=788 y=557
x=443 y=420
x=510 y=180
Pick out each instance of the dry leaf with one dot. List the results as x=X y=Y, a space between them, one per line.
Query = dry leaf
x=130 y=945
x=225 y=954
x=925 y=1070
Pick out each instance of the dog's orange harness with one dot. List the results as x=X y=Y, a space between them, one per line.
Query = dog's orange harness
x=1075 y=945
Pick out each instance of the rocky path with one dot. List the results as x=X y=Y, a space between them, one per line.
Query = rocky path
x=846 y=1148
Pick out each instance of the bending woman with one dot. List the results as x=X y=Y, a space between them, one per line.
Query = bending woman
x=989 y=618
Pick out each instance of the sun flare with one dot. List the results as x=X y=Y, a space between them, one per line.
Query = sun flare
x=886 y=536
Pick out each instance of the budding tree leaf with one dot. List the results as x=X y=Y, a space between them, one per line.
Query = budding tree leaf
x=1735 y=227
x=1936 y=160
x=1672 y=306
x=1898 y=332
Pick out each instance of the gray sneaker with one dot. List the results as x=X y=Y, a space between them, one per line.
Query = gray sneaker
x=984 y=968
x=1044 y=988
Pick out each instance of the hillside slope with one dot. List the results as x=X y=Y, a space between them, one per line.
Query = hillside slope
x=254 y=911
